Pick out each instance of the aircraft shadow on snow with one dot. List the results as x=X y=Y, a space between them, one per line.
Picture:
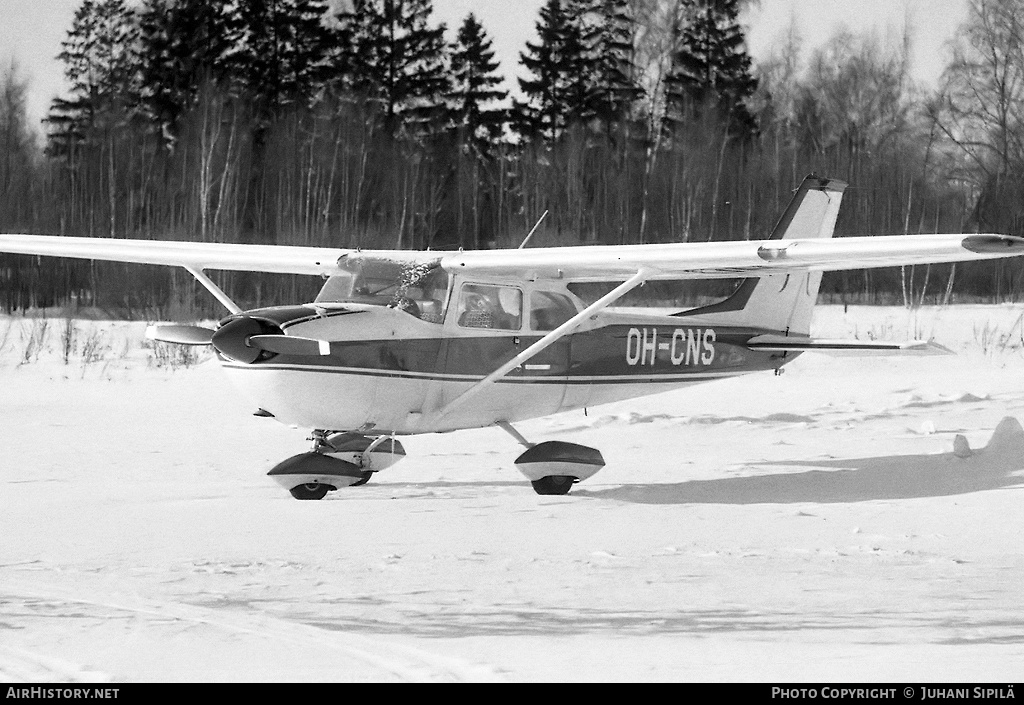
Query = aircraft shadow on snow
x=1000 y=464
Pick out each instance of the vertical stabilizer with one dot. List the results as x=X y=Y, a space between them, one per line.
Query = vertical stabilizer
x=783 y=302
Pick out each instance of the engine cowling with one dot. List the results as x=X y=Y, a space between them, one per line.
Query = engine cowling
x=232 y=339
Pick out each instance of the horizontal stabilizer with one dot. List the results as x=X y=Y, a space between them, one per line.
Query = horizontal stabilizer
x=786 y=343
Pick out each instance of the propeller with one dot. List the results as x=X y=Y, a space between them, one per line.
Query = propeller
x=179 y=334
x=243 y=339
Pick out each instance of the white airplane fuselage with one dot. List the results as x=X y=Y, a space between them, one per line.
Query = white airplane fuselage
x=390 y=372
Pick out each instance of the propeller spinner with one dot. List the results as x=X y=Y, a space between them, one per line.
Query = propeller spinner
x=243 y=339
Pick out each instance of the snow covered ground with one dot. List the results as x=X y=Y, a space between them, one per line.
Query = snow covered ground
x=814 y=526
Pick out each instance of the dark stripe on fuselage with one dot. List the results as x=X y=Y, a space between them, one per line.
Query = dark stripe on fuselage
x=619 y=353
x=520 y=379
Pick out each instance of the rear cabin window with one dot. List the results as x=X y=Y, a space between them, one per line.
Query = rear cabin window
x=549 y=310
x=677 y=295
x=490 y=306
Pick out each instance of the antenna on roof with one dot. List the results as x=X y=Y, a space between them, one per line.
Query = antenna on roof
x=533 y=230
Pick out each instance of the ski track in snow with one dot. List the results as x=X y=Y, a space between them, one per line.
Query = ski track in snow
x=811 y=526
x=387 y=661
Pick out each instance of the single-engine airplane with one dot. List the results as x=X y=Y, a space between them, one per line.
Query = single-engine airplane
x=402 y=342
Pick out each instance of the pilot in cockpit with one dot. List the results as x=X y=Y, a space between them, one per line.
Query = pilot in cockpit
x=479 y=311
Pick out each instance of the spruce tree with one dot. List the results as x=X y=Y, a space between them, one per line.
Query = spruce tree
x=100 y=63
x=18 y=165
x=557 y=93
x=183 y=44
x=608 y=38
x=474 y=87
x=280 y=54
x=393 y=57
x=711 y=70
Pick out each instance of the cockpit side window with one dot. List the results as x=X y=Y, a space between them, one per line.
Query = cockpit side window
x=490 y=306
x=418 y=288
x=338 y=287
x=424 y=295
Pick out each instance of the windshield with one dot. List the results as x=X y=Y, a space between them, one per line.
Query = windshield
x=418 y=288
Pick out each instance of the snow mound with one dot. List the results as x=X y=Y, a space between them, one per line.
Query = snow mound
x=961 y=448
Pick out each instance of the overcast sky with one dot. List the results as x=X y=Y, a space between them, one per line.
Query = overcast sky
x=31 y=30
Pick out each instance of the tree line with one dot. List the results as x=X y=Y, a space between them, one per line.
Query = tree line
x=363 y=123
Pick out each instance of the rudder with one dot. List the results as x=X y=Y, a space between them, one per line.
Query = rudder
x=784 y=302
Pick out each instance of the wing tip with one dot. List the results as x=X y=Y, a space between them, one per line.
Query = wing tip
x=993 y=244
x=825 y=183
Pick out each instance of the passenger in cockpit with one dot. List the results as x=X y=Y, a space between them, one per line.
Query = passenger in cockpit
x=479 y=312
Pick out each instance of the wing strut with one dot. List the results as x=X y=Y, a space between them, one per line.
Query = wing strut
x=214 y=289
x=568 y=327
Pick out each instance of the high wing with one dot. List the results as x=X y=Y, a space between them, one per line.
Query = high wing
x=280 y=259
x=193 y=256
x=800 y=242
x=749 y=258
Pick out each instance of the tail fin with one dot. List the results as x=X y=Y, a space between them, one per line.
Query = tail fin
x=783 y=302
